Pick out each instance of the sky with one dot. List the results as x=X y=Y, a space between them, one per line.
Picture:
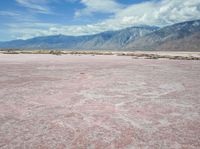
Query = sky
x=23 y=19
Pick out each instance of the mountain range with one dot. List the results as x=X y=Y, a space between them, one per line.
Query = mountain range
x=184 y=36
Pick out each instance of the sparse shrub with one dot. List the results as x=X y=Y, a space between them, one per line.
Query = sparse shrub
x=11 y=52
x=56 y=52
x=153 y=57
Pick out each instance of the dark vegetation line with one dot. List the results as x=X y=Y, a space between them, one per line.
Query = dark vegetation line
x=134 y=55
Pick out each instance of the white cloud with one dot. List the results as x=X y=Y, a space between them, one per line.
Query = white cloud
x=107 y=6
x=16 y=17
x=29 y=30
x=9 y=13
x=159 y=13
x=35 y=5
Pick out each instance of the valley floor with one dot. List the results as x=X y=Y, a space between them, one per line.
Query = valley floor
x=101 y=102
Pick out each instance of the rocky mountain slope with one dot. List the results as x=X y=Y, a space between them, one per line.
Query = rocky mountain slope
x=183 y=36
x=178 y=37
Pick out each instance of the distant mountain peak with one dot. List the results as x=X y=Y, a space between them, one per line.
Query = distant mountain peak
x=163 y=37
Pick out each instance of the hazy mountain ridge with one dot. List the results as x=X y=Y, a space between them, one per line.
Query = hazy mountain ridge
x=109 y=40
x=183 y=36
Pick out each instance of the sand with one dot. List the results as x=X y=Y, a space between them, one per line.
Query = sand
x=98 y=102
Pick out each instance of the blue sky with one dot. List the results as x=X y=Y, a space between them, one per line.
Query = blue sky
x=22 y=19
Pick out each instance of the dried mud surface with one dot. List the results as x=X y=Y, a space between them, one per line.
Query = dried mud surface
x=98 y=102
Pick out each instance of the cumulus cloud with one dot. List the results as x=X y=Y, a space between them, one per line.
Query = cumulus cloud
x=107 y=6
x=158 y=13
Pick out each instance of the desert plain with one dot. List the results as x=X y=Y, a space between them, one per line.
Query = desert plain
x=98 y=102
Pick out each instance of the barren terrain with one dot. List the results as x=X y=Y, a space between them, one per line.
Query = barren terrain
x=98 y=102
